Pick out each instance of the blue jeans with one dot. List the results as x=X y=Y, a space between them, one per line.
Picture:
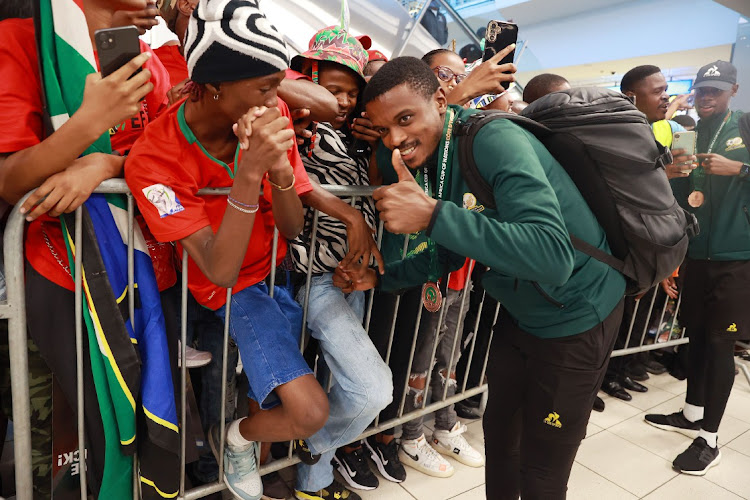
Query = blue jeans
x=265 y=331
x=362 y=383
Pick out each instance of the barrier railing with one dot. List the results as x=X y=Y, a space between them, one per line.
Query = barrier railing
x=14 y=312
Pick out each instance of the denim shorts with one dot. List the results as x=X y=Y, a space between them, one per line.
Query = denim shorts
x=266 y=330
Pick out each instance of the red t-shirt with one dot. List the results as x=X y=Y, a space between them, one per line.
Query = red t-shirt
x=165 y=170
x=458 y=278
x=21 y=127
x=170 y=57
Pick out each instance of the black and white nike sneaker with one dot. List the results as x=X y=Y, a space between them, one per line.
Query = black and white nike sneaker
x=697 y=459
x=354 y=469
x=385 y=457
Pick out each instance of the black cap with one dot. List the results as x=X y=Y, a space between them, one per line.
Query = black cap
x=720 y=74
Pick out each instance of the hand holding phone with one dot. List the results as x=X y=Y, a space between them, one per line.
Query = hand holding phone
x=500 y=34
x=685 y=141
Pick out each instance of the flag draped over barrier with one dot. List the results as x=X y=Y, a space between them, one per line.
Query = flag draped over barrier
x=129 y=356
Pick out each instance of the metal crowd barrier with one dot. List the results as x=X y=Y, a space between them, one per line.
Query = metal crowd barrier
x=14 y=311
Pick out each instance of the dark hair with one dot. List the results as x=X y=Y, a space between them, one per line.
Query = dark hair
x=10 y=9
x=430 y=56
x=402 y=70
x=541 y=85
x=684 y=120
x=632 y=78
x=470 y=52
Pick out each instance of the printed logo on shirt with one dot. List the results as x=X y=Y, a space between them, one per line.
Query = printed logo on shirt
x=164 y=199
x=735 y=143
x=553 y=419
x=712 y=71
x=470 y=203
x=732 y=328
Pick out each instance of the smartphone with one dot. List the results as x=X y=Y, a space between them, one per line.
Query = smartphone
x=499 y=35
x=685 y=140
x=116 y=47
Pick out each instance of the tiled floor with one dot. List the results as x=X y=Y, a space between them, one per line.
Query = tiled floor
x=622 y=458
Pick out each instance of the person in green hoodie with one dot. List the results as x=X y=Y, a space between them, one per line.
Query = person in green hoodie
x=715 y=294
x=562 y=308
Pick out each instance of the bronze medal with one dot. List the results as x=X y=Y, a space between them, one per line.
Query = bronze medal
x=432 y=298
x=696 y=199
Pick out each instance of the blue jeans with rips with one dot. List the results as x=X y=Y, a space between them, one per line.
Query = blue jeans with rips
x=362 y=383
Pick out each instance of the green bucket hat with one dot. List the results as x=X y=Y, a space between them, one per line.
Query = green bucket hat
x=336 y=45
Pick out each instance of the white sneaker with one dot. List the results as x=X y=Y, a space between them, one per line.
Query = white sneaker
x=195 y=358
x=453 y=444
x=418 y=454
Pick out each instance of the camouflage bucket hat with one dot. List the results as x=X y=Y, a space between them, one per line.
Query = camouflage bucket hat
x=336 y=45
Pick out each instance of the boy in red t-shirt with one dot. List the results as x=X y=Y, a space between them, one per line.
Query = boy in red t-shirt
x=233 y=132
x=30 y=159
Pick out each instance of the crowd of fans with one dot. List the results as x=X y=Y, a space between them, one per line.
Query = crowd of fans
x=214 y=101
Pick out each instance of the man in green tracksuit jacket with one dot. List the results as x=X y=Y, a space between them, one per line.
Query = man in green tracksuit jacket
x=716 y=287
x=563 y=308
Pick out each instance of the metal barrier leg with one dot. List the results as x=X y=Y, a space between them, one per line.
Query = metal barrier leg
x=17 y=345
x=78 y=276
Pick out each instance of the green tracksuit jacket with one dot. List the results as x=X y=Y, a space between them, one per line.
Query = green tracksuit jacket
x=524 y=241
x=724 y=217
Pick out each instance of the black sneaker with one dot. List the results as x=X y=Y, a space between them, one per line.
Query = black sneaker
x=386 y=459
x=354 y=469
x=304 y=453
x=274 y=487
x=335 y=491
x=675 y=422
x=697 y=459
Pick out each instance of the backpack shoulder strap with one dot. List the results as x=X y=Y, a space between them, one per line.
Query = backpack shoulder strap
x=467 y=129
x=596 y=253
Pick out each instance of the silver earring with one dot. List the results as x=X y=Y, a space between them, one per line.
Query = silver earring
x=216 y=97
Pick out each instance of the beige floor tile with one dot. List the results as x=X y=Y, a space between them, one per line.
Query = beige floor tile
x=685 y=487
x=624 y=463
x=386 y=491
x=592 y=429
x=665 y=444
x=585 y=484
x=477 y=493
x=667 y=382
x=615 y=411
x=646 y=400
x=739 y=401
x=741 y=444
x=731 y=428
x=732 y=472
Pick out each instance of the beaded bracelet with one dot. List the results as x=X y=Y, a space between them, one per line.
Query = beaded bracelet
x=279 y=188
x=240 y=209
x=244 y=205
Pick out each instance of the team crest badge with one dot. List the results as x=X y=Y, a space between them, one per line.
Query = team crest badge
x=735 y=143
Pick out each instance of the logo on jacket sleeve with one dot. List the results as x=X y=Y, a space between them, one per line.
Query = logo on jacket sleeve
x=553 y=419
x=735 y=143
x=470 y=203
x=164 y=199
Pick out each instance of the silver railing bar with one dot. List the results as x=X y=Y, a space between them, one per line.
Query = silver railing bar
x=224 y=362
x=489 y=344
x=78 y=284
x=183 y=368
x=474 y=336
x=436 y=341
x=131 y=310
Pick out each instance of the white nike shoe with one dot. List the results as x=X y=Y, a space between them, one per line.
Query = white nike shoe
x=453 y=444
x=418 y=454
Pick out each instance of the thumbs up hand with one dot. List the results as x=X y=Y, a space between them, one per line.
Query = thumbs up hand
x=404 y=207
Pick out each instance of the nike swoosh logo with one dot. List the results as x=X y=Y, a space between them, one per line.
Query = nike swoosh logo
x=413 y=457
x=348 y=470
x=382 y=458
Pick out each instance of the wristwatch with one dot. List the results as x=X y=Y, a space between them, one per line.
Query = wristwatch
x=744 y=171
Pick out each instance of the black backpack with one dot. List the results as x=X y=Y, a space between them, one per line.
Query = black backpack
x=608 y=149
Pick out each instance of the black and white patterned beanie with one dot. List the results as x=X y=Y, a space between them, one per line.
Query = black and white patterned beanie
x=230 y=40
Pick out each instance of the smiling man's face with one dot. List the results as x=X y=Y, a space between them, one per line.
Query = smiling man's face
x=409 y=121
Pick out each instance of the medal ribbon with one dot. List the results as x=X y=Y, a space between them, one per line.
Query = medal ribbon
x=423 y=178
x=698 y=177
